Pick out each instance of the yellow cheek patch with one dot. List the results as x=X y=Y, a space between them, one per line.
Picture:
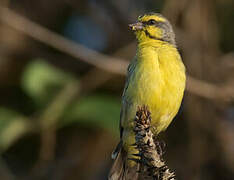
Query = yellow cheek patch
x=154 y=31
x=149 y=33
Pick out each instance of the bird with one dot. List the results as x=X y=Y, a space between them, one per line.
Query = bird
x=156 y=78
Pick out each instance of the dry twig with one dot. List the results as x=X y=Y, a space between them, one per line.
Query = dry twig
x=151 y=164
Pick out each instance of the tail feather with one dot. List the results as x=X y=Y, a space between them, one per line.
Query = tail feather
x=120 y=169
x=117 y=170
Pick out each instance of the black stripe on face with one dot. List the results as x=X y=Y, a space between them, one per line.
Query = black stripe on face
x=152 y=37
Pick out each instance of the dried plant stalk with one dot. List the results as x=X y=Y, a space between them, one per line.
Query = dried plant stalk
x=151 y=163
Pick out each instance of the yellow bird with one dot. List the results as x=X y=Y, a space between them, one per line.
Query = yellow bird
x=156 y=78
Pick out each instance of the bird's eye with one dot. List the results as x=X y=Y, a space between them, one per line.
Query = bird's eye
x=151 y=22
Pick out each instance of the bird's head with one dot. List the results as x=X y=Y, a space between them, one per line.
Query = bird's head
x=153 y=26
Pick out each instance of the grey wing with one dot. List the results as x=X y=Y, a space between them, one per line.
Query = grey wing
x=125 y=103
x=126 y=100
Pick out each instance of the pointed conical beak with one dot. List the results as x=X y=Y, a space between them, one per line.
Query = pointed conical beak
x=136 y=26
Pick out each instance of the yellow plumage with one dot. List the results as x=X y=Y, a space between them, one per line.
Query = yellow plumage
x=156 y=78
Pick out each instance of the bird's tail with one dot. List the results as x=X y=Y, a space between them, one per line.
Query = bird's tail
x=120 y=169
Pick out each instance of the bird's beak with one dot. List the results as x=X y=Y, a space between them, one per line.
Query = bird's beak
x=136 y=26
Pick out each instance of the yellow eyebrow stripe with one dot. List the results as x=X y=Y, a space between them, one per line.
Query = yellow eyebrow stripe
x=148 y=17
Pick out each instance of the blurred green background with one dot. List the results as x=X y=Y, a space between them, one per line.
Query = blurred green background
x=62 y=72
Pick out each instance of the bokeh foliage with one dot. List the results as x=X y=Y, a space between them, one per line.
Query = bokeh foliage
x=59 y=114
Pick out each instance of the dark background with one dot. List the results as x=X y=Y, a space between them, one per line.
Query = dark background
x=60 y=101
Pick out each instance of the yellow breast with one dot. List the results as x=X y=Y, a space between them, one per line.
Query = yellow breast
x=158 y=81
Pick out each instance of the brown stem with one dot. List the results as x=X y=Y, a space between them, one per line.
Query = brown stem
x=152 y=165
